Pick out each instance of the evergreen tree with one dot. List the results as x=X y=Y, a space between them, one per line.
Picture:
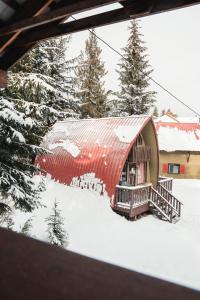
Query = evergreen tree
x=163 y=112
x=155 y=111
x=134 y=72
x=46 y=81
x=26 y=229
x=112 y=104
x=40 y=91
x=10 y=223
x=17 y=187
x=91 y=70
x=56 y=233
x=6 y=220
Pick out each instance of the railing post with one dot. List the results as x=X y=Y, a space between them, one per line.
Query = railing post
x=132 y=199
x=179 y=209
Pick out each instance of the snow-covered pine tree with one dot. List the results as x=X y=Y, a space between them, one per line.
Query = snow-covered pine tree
x=17 y=187
x=59 y=75
x=91 y=70
x=56 y=232
x=134 y=72
x=6 y=220
x=46 y=80
x=40 y=91
x=26 y=229
x=155 y=111
x=163 y=112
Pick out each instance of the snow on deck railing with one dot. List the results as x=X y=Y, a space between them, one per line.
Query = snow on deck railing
x=132 y=188
x=165 y=182
x=163 y=179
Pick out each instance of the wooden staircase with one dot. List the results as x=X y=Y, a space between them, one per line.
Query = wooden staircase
x=163 y=204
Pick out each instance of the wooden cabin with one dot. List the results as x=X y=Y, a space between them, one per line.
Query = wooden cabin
x=118 y=157
x=179 y=143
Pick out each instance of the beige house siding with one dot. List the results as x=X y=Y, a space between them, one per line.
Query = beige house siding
x=191 y=161
x=150 y=139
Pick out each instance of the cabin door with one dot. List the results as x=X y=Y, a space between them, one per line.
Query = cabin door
x=141 y=170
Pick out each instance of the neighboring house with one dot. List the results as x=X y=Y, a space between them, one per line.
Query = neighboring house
x=114 y=156
x=179 y=145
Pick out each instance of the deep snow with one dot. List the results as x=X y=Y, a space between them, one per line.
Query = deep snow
x=148 y=245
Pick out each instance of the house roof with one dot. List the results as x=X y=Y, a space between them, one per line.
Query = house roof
x=178 y=136
x=92 y=148
x=170 y=119
x=166 y=118
x=23 y=23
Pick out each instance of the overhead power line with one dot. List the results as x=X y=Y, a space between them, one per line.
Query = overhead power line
x=151 y=78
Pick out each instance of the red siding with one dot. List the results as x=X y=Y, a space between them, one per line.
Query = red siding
x=101 y=151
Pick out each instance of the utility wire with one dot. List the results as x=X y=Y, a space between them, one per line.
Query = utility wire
x=153 y=80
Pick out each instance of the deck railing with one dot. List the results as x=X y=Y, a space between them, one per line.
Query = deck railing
x=166 y=182
x=174 y=202
x=162 y=205
x=132 y=195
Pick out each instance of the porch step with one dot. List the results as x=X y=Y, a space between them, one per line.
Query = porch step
x=164 y=205
x=158 y=214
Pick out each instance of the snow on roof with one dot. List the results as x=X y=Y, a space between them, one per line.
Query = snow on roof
x=169 y=119
x=166 y=118
x=188 y=119
x=178 y=136
x=127 y=133
x=67 y=145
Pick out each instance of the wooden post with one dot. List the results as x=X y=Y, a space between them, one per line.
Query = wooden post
x=3 y=79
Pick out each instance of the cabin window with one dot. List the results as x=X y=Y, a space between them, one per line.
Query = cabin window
x=123 y=176
x=173 y=168
x=139 y=141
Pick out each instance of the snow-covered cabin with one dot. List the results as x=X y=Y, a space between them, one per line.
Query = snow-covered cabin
x=179 y=145
x=114 y=156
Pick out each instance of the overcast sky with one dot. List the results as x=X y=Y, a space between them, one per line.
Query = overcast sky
x=173 y=43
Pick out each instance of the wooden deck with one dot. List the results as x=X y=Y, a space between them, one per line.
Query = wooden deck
x=132 y=201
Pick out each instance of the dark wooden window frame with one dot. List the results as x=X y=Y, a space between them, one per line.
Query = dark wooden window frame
x=173 y=164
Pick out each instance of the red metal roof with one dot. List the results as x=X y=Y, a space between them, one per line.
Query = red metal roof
x=91 y=146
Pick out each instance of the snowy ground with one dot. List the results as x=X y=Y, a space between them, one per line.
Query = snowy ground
x=148 y=245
